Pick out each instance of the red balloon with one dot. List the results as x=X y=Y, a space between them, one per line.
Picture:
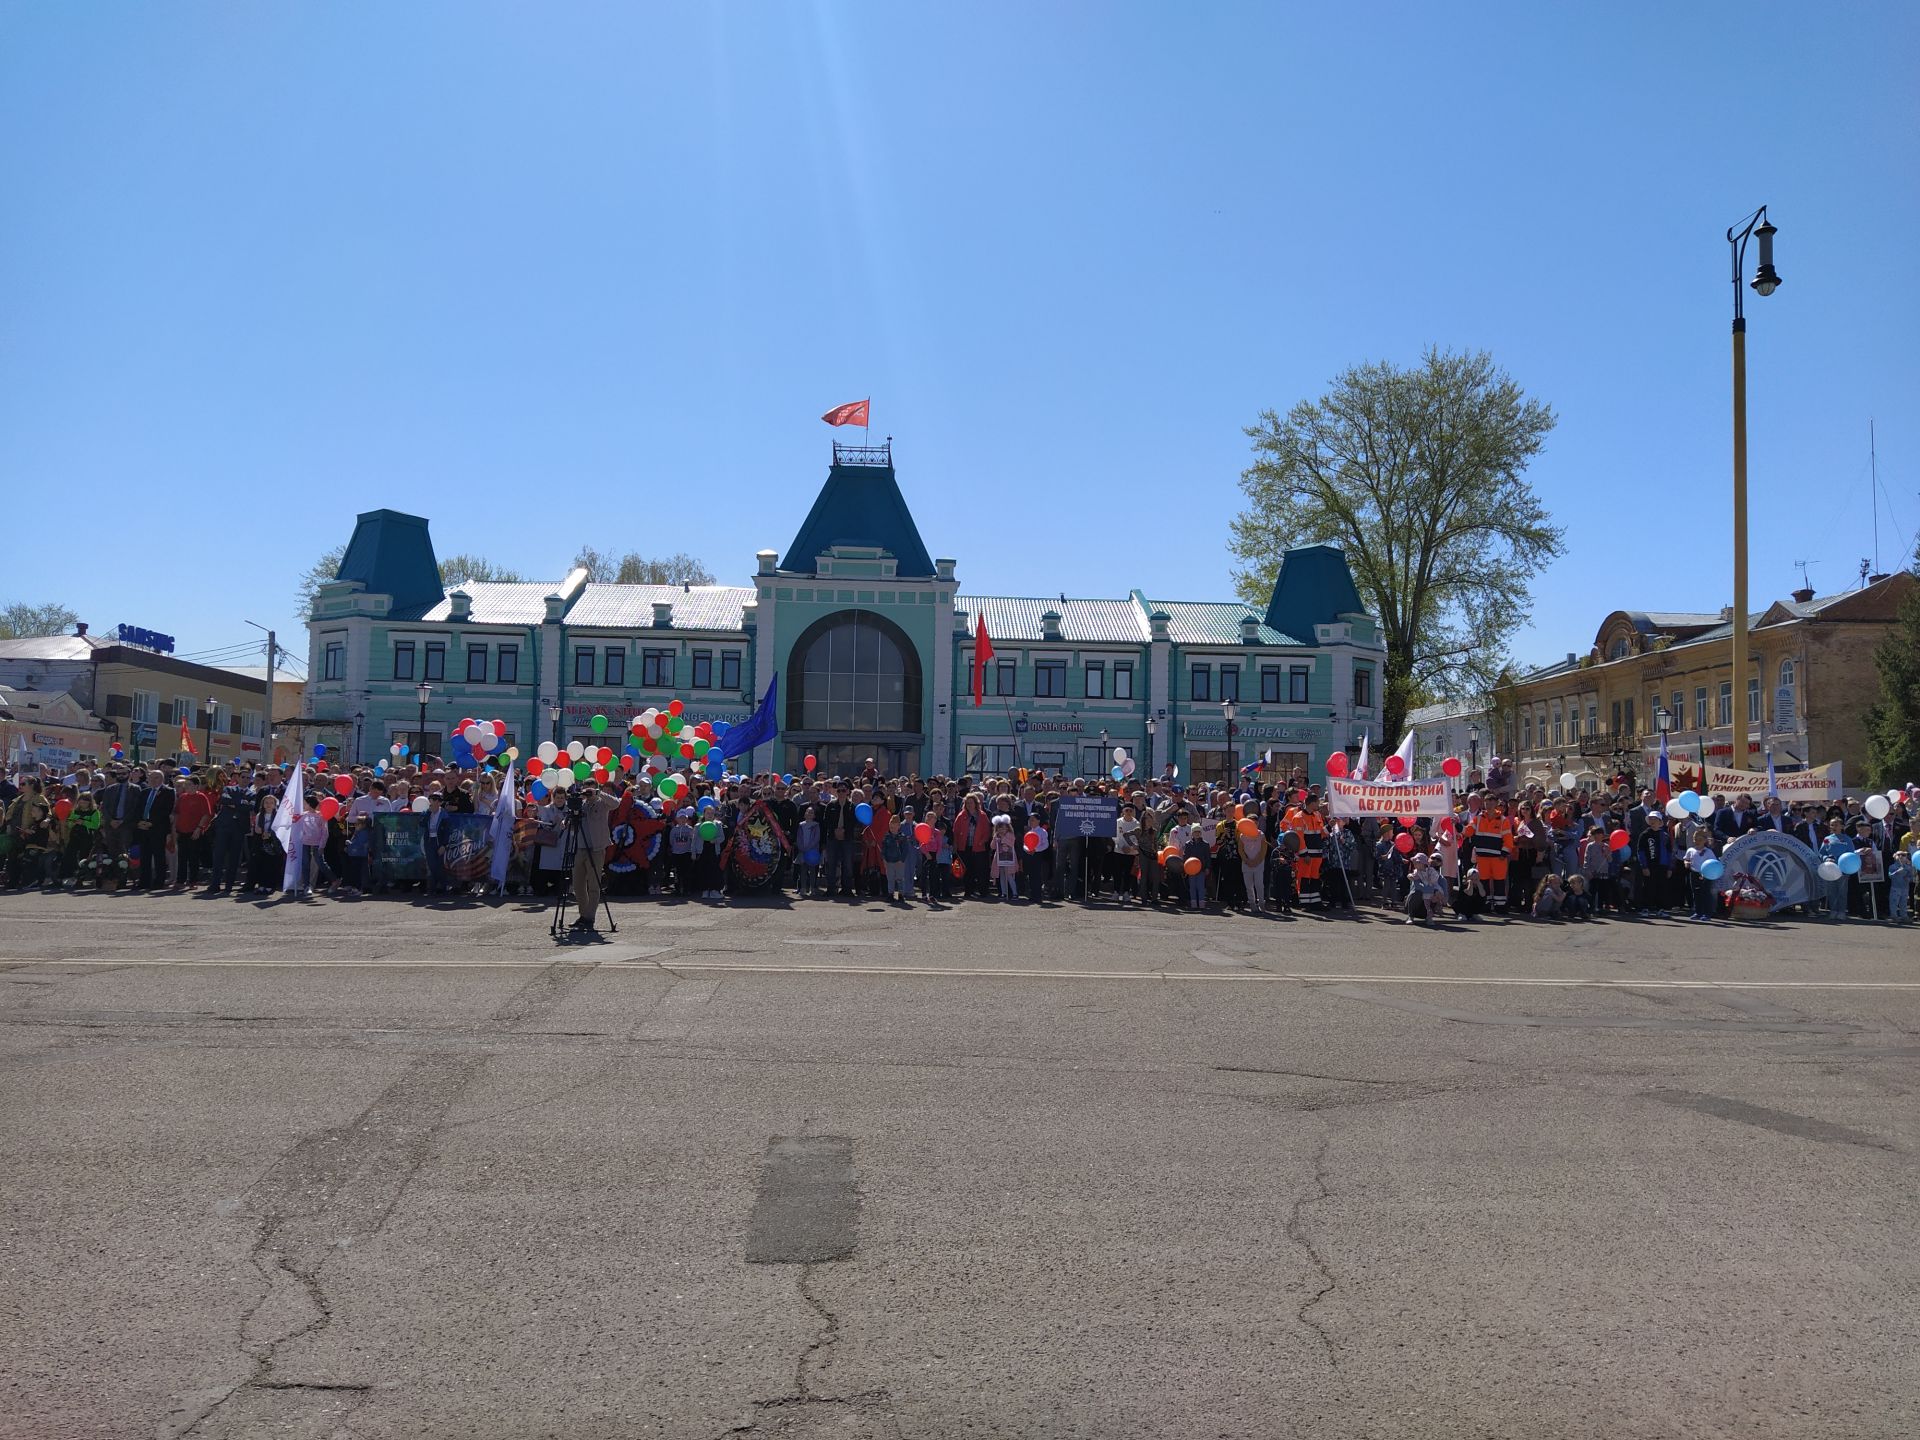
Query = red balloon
x=500 y=728
x=343 y=784
x=1032 y=840
x=1619 y=840
x=626 y=761
x=329 y=808
x=604 y=755
x=811 y=761
x=1403 y=842
x=674 y=707
x=463 y=725
x=63 y=807
x=320 y=765
x=704 y=730
x=1450 y=767
x=600 y=773
x=1337 y=764
x=1395 y=765
x=923 y=832
x=535 y=765
x=1409 y=822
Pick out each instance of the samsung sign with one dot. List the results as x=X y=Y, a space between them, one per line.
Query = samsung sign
x=148 y=639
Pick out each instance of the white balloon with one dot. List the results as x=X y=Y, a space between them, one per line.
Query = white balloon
x=394 y=749
x=1877 y=806
x=1567 y=778
x=1829 y=870
x=471 y=734
x=1119 y=755
x=1707 y=808
x=548 y=752
x=419 y=804
x=1896 y=796
x=1126 y=767
x=575 y=749
x=558 y=778
x=1675 y=810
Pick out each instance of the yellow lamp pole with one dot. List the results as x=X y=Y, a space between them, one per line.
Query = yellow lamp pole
x=1765 y=281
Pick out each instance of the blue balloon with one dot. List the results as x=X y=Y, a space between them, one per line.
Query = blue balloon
x=1712 y=869
x=707 y=802
x=1850 y=863
x=1690 y=801
x=863 y=812
x=405 y=751
x=1118 y=773
x=539 y=788
x=720 y=727
x=788 y=780
x=319 y=752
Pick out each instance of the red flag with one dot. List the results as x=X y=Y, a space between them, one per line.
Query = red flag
x=186 y=740
x=854 y=412
x=982 y=652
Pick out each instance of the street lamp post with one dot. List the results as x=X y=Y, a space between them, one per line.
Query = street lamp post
x=1473 y=751
x=1228 y=711
x=1104 y=752
x=359 y=727
x=422 y=692
x=553 y=717
x=211 y=702
x=1765 y=281
x=1663 y=719
x=1151 y=727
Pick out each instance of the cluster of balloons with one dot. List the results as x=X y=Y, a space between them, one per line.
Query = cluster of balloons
x=1393 y=766
x=1690 y=803
x=480 y=742
x=1122 y=763
x=1036 y=839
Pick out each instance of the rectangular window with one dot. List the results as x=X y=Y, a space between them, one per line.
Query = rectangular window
x=1616 y=717
x=1526 y=730
x=1753 y=700
x=1230 y=682
x=1009 y=683
x=336 y=661
x=1363 y=689
x=1123 y=680
x=1573 y=721
x=583 y=666
x=507 y=668
x=1096 y=681
x=1050 y=677
x=1269 y=684
x=1630 y=718
x=403 y=660
x=1593 y=717
x=146 y=707
x=1723 y=704
x=1297 y=677
x=1095 y=761
x=1201 y=687
x=1700 y=707
x=730 y=670
x=1680 y=710
x=436 y=667
x=1559 y=726
x=703 y=669
x=616 y=666
x=990 y=759
x=477 y=664
x=251 y=724
x=183 y=710
x=656 y=669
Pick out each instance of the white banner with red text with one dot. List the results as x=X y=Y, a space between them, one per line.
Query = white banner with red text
x=1356 y=798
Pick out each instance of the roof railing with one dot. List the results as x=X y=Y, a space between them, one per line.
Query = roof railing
x=881 y=454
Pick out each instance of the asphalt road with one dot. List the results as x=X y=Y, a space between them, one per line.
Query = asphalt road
x=371 y=1170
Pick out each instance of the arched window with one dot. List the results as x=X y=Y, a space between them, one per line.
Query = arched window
x=1619 y=649
x=1786 y=674
x=854 y=671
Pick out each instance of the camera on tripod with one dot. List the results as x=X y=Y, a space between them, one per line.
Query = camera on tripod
x=576 y=804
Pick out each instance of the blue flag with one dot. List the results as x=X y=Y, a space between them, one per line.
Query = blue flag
x=757 y=729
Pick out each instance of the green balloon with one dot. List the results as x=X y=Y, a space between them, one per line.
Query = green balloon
x=709 y=830
x=582 y=770
x=598 y=724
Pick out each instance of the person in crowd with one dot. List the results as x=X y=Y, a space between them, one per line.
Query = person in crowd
x=1006 y=857
x=807 y=843
x=1700 y=891
x=1252 y=845
x=1426 y=892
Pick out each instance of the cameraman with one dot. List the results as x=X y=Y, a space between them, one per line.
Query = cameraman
x=589 y=806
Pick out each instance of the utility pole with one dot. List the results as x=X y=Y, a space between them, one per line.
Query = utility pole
x=266 y=737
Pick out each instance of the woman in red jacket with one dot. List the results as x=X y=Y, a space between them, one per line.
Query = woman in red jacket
x=972 y=838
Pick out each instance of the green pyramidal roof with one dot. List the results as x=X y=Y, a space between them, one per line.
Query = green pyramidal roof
x=860 y=504
x=391 y=553
x=1314 y=587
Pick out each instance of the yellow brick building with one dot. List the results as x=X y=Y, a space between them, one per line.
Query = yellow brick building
x=1809 y=681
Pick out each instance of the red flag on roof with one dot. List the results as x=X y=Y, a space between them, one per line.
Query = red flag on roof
x=854 y=412
x=982 y=652
x=186 y=740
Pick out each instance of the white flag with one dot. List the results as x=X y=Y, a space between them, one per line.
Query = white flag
x=286 y=826
x=501 y=832
x=1405 y=752
x=1360 y=772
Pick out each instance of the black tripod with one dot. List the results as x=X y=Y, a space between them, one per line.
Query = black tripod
x=563 y=896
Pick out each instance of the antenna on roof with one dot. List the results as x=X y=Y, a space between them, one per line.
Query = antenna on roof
x=1866 y=569
x=1805 y=583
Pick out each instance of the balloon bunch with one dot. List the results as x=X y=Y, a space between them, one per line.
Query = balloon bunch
x=1690 y=804
x=1122 y=764
x=480 y=742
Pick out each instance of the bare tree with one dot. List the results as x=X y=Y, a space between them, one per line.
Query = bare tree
x=20 y=620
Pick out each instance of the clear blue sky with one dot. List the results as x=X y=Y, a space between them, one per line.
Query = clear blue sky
x=556 y=273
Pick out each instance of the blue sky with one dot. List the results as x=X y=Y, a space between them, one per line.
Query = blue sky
x=560 y=273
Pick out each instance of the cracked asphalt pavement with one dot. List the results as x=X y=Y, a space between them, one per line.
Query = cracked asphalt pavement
x=343 y=1171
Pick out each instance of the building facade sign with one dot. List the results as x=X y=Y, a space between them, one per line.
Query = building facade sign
x=1253 y=730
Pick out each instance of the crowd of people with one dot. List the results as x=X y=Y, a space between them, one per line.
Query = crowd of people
x=1264 y=844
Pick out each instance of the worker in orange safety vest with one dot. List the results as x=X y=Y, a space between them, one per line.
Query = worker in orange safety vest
x=1488 y=838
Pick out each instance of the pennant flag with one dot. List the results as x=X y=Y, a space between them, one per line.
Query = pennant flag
x=854 y=412
x=758 y=728
x=1662 y=780
x=1360 y=771
x=1405 y=755
x=982 y=652
x=186 y=740
x=505 y=808
x=286 y=826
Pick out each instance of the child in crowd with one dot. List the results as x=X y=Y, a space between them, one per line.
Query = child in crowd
x=1426 y=892
x=895 y=847
x=1006 y=857
x=1281 y=889
x=807 y=840
x=1549 y=898
x=1579 y=903
x=1596 y=868
x=1700 y=893
x=359 y=849
x=1900 y=887
x=680 y=846
x=1197 y=848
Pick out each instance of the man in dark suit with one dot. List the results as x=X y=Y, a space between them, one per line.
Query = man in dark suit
x=120 y=805
x=152 y=823
x=1637 y=816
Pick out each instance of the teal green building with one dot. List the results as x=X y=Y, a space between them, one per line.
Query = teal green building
x=872 y=640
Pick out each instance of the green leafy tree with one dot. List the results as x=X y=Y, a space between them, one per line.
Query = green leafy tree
x=1420 y=476
x=321 y=572
x=1893 y=721
x=636 y=569
x=19 y=620
x=458 y=570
